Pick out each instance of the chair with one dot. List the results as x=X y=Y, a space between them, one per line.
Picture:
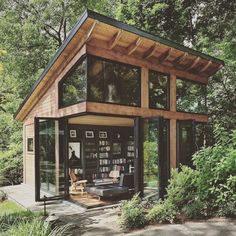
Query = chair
x=77 y=186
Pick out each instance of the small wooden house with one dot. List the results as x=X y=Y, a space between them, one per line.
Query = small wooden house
x=114 y=101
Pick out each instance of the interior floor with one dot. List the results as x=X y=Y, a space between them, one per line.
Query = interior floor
x=90 y=201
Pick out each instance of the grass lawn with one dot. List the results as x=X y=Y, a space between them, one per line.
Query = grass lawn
x=9 y=207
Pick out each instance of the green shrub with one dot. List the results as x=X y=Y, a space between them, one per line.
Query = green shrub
x=11 y=165
x=194 y=210
x=182 y=187
x=132 y=214
x=216 y=183
x=162 y=212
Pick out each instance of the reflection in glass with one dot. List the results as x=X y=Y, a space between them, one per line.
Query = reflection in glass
x=113 y=82
x=158 y=90
x=72 y=89
x=190 y=96
x=51 y=164
x=150 y=149
x=185 y=145
x=203 y=135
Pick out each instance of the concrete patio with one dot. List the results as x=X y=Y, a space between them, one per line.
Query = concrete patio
x=24 y=196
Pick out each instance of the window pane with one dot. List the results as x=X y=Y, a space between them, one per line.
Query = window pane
x=113 y=82
x=73 y=87
x=158 y=90
x=190 y=96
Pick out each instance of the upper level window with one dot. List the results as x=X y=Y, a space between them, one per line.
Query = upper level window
x=190 y=96
x=72 y=88
x=113 y=82
x=158 y=90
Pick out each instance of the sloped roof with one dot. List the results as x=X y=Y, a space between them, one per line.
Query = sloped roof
x=116 y=35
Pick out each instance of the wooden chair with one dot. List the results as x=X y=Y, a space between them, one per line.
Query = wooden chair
x=77 y=186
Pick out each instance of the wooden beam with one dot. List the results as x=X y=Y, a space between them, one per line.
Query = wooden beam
x=165 y=56
x=180 y=59
x=141 y=111
x=150 y=52
x=205 y=67
x=144 y=87
x=102 y=51
x=173 y=143
x=195 y=62
x=172 y=93
x=89 y=32
x=113 y=42
x=133 y=46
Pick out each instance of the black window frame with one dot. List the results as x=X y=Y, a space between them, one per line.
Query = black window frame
x=72 y=69
x=168 y=90
x=27 y=144
x=205 y=99
x=119 y=63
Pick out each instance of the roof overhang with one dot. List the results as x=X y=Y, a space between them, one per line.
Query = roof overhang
x=96 y=29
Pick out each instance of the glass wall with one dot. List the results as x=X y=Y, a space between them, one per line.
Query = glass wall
x=158 y=90
x=72 y=88
x=185 y=139
x=113 y=82
x=51 y=176
x=190 y=96
x=156 y=165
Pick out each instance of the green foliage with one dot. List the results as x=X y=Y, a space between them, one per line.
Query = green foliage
x=182 y=188
x=162 y=212
x=8 y=207
x=11 y=165
x=217 y=187
x=132 y=214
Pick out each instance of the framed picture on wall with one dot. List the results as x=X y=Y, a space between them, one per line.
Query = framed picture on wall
x=73 y=133
x=102 y=134
x=30 y=144
x=74 y=148
x=89 y=134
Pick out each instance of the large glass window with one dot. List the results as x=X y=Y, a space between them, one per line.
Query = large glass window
x=190 y=96
x=72 y=89
x=113 y=82
x=158 y=90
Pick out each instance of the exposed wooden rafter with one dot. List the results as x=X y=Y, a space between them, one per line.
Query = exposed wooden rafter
x=150 y=52
x=113 y=42
x=165 y=56
x=133 y=46
x=195 y=62
x=180 y=59
x=206 y=67
x=89 y=33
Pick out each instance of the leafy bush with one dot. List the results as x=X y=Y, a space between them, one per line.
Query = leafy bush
x=132 y=214
x=216 y=183
x=162 y=212
x=11 y=166
x=182 y=187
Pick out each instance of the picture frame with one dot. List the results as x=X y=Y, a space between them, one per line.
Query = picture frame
x=73 y=133
x=102 y=134
x=89 y=134
x=74 y=146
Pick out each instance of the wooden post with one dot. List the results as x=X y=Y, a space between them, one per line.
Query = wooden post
x=144 y=88
x=173 y=122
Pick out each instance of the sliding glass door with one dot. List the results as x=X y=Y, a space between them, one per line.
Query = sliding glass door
x=152 y=158
x=50 y=156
